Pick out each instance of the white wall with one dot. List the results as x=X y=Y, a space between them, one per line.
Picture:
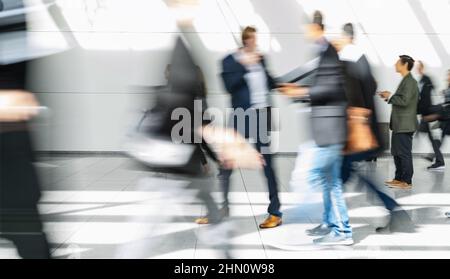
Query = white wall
x=90 y=92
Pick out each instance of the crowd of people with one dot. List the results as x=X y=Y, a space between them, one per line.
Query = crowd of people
x=345 y=132
x=344 y=125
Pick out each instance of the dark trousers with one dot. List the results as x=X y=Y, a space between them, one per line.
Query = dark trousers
x=19 y=195
x=436 y=143
x=262 y=144
x=203 y=187
x=445 y=127
x=348 y=170
x=274 y=206
x=402 y=151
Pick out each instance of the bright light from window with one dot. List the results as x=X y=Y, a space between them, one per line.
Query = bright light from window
x=120 y=25
x=275 y=45
x=389 y=47
x=387 y=16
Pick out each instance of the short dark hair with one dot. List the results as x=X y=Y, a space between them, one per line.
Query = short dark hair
x=246 y=33
x=318 y=19
x=407 y=59
x=348 y=30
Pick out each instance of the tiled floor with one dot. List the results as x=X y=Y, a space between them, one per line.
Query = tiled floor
x=101 y=207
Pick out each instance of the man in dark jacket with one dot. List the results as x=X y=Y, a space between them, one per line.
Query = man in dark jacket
x=245 y=76
x=442 y=113
x=403 y=123
x=425 y=108
x=328 y=117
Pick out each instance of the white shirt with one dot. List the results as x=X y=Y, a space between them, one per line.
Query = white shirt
x=257 y=83
x=350 y=53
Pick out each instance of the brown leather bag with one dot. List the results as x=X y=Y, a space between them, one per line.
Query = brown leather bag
x=360 y=137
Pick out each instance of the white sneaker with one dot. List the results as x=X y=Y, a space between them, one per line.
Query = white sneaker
x=436 y=167
x=334 y=239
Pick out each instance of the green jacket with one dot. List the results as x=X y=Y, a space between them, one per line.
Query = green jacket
x=404 y=106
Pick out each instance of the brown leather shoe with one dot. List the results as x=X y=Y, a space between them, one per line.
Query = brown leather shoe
x=224 y=212
x=402 y=186
x=271 y=222
x=202 y=221
x=393 y=182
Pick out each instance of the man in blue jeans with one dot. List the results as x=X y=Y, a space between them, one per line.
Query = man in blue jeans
x=326 y=172
x=328 y=119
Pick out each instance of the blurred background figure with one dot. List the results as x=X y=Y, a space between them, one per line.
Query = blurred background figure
x=328 y=122
x=403 y=123
x=445 y=119
x=181 y=139
x=19 y=187
x=201 y=97
x=446 y=92
x=440 y=113
x=425 y=107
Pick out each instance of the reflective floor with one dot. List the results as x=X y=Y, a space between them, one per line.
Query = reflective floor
x=99 y=207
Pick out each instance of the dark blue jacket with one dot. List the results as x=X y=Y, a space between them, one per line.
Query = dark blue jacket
x=233 y=76
x=425 y=104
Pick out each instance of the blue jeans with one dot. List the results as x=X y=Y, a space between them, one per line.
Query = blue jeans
x=326 y=173
x=262 y=144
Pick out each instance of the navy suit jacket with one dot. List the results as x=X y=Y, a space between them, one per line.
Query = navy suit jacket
x=233 y=76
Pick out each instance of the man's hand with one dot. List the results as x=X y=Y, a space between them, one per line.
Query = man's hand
x=250 y=58
x=234 y=152
x=337 y=44
x=293 y=90
x=385 y=95
x=17 y=105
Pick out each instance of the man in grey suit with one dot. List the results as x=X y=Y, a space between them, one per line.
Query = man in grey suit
x=403 y=123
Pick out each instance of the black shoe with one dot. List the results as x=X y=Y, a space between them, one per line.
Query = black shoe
x=436 y=167
x=447 y=214
x=399 y=222
x=320 y=230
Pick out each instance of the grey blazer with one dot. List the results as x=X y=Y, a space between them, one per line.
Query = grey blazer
x=328 y=101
